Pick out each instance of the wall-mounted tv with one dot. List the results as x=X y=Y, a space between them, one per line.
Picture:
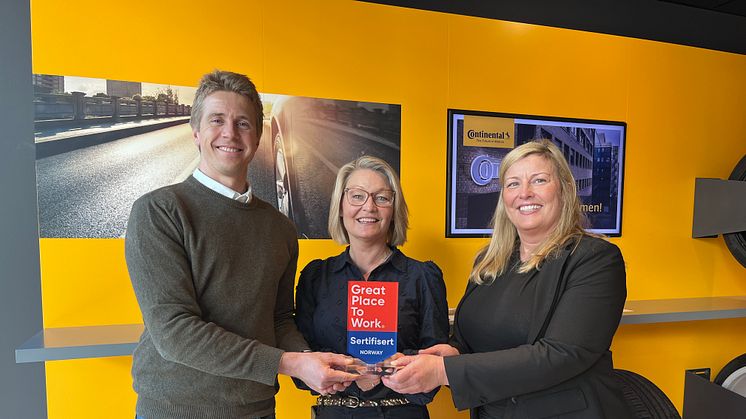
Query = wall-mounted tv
x=478 y=141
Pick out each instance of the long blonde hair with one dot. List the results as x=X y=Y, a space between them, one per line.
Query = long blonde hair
x=492 y=260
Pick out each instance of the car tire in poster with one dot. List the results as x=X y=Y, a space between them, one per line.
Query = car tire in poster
x=644 y=398
x=286 y=186
x=282 y=175
x=736 y=242
x=733 y=376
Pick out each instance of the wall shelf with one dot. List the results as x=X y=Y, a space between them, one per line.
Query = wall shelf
x=120 y=340
x=80 y=342
x=683 y=309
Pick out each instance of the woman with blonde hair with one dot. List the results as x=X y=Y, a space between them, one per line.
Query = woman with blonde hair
x=368 y=212
x=544 y=299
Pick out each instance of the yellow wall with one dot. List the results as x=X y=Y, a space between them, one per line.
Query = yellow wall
x=684 y=107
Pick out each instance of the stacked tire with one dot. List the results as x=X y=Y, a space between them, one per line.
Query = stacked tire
x=736 y=242
x=644 y=398
x=733 y=376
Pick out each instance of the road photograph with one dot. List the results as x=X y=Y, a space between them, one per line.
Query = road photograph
x=101 y=144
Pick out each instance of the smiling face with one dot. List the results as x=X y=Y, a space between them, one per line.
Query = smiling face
x=227 y=138
x=531 y=195
x=368 y=223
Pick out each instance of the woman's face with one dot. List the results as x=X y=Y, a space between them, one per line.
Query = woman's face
x=531 y=195
x=368 y=222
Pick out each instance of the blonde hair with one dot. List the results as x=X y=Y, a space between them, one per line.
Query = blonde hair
x=492 y=260
x=397 y=234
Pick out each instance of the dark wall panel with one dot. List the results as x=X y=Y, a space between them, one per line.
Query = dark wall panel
x=22 y=392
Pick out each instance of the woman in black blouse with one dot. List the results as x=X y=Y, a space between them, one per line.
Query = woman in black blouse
x=544 y=299
x=369 y=213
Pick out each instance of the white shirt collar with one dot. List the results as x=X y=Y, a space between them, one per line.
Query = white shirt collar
x=222 y=189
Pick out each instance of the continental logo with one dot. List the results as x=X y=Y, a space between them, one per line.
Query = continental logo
x=488 y=131
x=484 y=169
x=484 y=134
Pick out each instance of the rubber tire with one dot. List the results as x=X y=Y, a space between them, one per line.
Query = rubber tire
x=736 y=242
x=296 y=212
x=644 y=398
x=736 y=364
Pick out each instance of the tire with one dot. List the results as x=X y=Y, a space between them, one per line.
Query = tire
x=644 y=398
x=285 y=186
x=736 y=242
x=282 y=176
x=733 y=375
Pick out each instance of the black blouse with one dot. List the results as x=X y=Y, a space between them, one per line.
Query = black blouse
x=321 y=308
x=497 y=316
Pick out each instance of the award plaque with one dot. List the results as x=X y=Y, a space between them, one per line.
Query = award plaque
x=372 y=317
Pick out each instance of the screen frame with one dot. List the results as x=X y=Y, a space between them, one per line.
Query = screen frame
x=450 y=229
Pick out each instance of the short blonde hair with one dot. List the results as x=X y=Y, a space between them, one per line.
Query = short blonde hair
x=493 y=259
x=226 y=81
x=397 y=234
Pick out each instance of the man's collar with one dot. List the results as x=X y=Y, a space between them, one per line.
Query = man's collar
x=222 y=189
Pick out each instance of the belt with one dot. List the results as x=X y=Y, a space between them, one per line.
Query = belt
x=355 y=402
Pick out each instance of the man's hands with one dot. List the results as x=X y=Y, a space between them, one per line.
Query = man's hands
x=316 y=369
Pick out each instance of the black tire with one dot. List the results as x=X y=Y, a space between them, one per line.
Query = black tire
x=731 y=376
x=736 y=242
x=283 y=183
x=644 y=398
x=286 y=187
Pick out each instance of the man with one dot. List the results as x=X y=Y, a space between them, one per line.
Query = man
x=213 y=269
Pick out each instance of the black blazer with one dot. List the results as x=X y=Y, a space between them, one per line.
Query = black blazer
x=565 y=370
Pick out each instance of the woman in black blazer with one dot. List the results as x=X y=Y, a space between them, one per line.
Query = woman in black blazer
x=544 y=299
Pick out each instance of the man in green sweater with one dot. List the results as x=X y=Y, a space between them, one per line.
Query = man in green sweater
x=213 y=269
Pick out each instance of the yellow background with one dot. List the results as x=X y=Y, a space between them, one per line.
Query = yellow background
x=684 y=109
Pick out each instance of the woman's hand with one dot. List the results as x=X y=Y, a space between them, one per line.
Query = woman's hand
x=393 y=357
x=367 y=382
x=441 y=349
x=418 y=374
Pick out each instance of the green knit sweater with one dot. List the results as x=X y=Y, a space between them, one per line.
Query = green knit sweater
x=214 y=280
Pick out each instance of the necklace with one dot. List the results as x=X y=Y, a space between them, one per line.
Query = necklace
x=386 y=255
x=379 y=262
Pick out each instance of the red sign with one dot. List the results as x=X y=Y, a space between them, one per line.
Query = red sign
x=372 y=316
x=372 y=306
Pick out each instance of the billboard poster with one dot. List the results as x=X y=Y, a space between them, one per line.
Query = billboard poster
x=478 y=141
x=101 y=144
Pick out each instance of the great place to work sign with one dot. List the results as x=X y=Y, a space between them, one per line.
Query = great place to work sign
x=372 y=315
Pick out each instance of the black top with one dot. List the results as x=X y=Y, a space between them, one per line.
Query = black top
x=563 y=367
x=503 y=308
x=321 y=308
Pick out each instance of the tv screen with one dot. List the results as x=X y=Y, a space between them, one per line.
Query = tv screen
x=478 y=141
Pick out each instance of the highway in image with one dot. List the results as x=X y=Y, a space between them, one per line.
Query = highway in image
x=88 y=192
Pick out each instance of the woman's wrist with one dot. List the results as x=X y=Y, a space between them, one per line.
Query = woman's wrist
x=443 y=377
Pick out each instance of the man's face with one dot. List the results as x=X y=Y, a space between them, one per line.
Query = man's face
x=227 y=138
